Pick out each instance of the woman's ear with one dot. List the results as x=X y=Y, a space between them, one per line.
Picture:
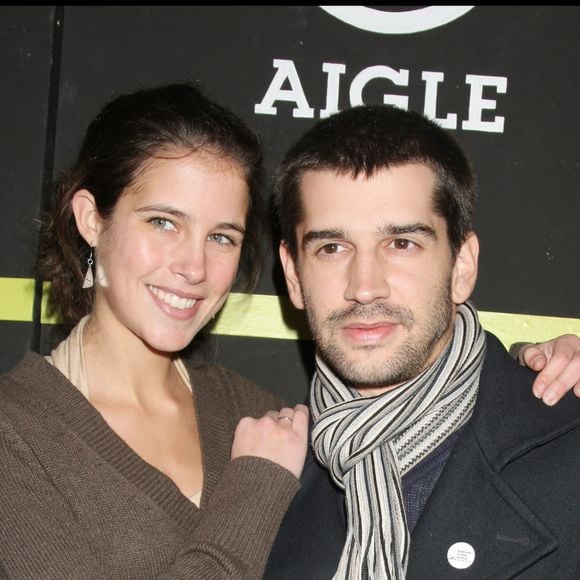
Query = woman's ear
x=465 y=269
x=87 y=216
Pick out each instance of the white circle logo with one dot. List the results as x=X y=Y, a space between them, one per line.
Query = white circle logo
x=461 y=555
x=391 y=22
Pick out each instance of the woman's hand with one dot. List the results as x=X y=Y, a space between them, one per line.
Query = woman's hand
x=558 y=361
x=281 y=437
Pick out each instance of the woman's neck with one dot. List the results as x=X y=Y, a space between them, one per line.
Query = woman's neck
x=121 y=367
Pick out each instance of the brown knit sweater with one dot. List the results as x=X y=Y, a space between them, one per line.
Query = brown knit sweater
x=76 y=502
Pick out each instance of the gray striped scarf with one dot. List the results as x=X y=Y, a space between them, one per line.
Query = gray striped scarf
x=368 y=443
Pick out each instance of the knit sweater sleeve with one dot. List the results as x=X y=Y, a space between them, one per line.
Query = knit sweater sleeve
x=245 y=508
x=237 y=530
x=39 y=536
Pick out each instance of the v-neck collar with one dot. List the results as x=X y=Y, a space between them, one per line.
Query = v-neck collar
x=48 y=391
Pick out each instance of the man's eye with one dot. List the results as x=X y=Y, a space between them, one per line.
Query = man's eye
x=330 y=249
x=402 y=244
x=162 y=224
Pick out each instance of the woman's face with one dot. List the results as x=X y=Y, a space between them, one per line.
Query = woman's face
x=169 y=254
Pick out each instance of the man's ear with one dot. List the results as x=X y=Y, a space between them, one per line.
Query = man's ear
x=464 y=273
x=292 y=278
x=87 y=216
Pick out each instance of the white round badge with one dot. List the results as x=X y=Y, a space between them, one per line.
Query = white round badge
x=461 y=555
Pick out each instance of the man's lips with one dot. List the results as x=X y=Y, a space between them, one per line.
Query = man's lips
x=369 y=333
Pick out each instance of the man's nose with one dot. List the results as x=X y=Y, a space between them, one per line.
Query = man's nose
x=367 y=278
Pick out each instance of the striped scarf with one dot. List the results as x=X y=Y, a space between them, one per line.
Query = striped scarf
x=368 y=443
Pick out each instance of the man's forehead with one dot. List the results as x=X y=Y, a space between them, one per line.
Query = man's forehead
x=398 y=190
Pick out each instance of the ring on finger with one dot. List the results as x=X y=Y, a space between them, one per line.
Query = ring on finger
x=284 y=418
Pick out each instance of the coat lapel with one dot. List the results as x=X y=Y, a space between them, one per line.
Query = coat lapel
x=473 y=501
x=474 y=505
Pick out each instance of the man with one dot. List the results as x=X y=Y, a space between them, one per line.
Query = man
x=441 y=464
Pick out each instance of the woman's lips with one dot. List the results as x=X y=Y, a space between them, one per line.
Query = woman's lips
x=176 y=306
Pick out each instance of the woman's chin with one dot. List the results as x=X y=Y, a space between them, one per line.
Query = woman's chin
x=168 y=344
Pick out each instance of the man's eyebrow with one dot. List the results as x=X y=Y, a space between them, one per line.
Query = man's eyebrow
x=402 y=229
x=316 y=235
x=386 y=230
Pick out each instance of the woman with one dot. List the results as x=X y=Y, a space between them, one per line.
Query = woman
x=115 y=452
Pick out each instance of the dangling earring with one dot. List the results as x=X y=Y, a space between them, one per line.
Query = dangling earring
x=88 y=281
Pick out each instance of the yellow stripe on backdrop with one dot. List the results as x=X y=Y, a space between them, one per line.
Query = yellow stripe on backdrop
x=16 y=299
x=261 y=316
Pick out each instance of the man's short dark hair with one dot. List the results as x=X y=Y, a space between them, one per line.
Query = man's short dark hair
x=366 y=139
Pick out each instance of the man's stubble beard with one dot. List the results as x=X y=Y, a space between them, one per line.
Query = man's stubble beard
x=408 y=360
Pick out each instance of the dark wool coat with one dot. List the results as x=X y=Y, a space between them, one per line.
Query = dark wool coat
x=510 y=489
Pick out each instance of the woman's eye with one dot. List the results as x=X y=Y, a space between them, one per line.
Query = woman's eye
x=221 y=239
x=162 y=224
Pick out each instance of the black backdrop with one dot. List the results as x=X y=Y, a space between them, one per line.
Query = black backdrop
x=503 y=79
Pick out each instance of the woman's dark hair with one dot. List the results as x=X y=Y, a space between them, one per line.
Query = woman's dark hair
x=131 y=130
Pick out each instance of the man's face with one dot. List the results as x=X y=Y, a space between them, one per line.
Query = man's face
x=375 y=273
